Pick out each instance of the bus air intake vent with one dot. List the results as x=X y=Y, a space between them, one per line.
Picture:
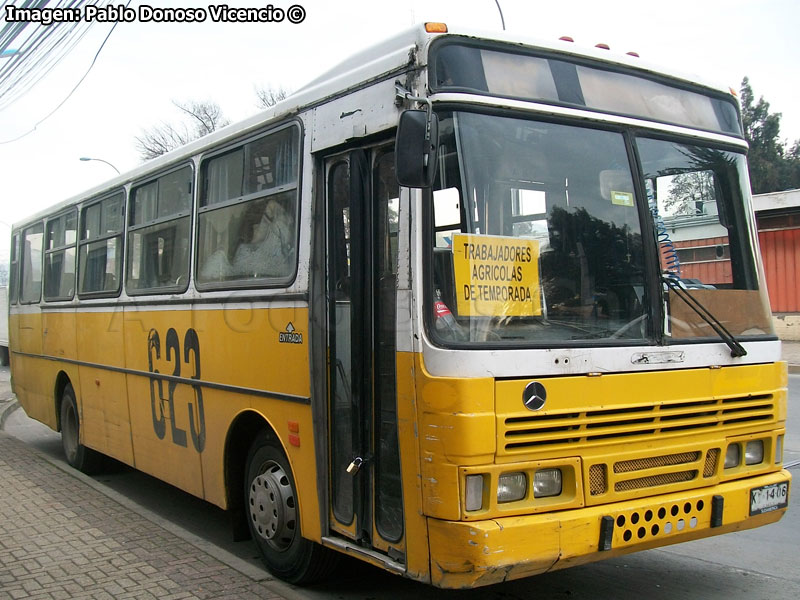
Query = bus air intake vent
x=711 y=463
x=641 y=464
x=654 y=481
x=597 y=480
x=557 y=430
x=649 y=472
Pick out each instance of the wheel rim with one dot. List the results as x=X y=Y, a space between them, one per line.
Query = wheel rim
x=273 y=507
x=69 y=433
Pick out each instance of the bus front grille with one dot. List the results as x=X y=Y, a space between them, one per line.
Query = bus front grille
x=654 y=481
x=652 y=471
x=629 y=466
x=555 y=430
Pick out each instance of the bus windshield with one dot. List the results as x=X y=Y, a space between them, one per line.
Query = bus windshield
x=546 y=233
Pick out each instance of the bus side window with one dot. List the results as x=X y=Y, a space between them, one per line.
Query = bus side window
x=31 y=276
x=59 y=274
x=159 y=235
x=100 y=247
x=13 y=279
x=247 y=226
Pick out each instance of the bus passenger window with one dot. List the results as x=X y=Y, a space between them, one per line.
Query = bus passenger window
x=224 y=177
x=31 y=276
x=264 y=234
x=59 y=262
x=13 y=278
x=158 y=239
x=247 y=223
x=100 y=247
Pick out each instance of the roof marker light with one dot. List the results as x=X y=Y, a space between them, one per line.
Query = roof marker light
x=566 y=38
x=603 y=46
x=436 y=27
x=634 y=54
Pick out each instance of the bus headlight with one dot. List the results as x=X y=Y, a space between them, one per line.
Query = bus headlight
x=511 y=487
x=754 y=452
x=474 y=492
x=547 y=482
x=732 y=456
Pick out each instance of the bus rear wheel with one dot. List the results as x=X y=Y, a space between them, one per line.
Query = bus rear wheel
x=273 y=514
x=78 y=456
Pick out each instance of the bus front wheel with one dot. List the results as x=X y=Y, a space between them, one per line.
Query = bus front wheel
x=78 y=456
x=273 y=515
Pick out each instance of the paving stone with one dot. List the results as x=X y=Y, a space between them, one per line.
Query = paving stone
x=104 y=551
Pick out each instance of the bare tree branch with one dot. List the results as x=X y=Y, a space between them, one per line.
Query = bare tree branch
x=201 y=118
x=206 y=116
x=270 y=96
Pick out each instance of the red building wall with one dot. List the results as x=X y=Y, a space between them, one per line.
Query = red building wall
x=705 y=264
x=708 y=260
x=780 y=252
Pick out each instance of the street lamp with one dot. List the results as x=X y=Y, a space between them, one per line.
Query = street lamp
x=86 y=158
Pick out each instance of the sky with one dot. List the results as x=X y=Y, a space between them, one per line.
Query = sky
x=145 y=66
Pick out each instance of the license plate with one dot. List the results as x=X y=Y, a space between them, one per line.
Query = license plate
x=768 y=498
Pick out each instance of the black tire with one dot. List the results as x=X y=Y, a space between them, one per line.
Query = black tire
x=273 y=514
x=78 y=456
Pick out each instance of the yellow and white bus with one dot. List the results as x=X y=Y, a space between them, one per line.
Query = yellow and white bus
x=467 y=307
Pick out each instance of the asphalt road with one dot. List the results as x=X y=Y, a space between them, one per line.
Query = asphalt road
x=760 y=563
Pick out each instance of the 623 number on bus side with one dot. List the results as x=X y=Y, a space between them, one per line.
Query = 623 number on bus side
x=161 y=403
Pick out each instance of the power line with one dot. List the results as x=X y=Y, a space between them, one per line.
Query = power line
x=37 y=48
x=500 y=10
x=80 y=81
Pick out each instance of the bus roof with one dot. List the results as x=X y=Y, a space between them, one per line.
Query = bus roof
x=371 y=64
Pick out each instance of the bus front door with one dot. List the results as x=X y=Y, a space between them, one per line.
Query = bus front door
x=365 y=487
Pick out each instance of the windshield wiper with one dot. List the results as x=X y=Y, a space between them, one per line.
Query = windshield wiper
x=673 y=282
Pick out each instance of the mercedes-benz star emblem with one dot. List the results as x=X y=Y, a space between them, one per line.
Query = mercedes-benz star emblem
x=534 y=396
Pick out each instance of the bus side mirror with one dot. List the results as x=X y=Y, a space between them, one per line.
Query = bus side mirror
x=415 y=148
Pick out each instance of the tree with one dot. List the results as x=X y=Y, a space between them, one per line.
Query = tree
x=201 y=117
x=773 y=165
x=689 y=193
x=204 y=116
x=793 y=166
x=269 y=96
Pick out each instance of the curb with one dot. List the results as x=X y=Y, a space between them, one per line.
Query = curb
x=6 y=408
x=252 y=572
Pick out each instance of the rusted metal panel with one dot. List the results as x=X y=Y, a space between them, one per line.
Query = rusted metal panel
x=780 y=251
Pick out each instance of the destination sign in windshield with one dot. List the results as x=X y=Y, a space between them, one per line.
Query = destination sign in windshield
x=496 y=276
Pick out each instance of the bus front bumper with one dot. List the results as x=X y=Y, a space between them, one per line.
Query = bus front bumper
x=470 y=554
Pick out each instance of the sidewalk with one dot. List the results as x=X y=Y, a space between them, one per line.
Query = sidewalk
x=61 y=538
